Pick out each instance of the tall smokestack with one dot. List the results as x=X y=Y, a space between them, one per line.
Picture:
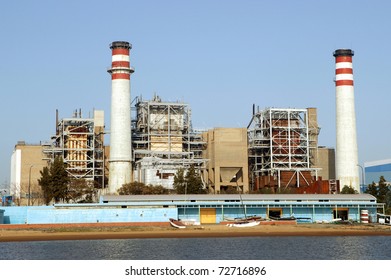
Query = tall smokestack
x=120 y=134
x=346 y=145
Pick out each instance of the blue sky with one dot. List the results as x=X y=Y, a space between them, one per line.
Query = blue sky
x=221 y=57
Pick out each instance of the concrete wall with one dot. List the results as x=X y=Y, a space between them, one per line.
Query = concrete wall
x=228 y=158
x=26 y=171
x=325 y=160
x=53 y=215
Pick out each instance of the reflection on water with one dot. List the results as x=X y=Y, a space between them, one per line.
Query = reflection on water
x=251 y=248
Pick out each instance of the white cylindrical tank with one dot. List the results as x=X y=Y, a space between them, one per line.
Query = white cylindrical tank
x=346 y=142
x=120 y=127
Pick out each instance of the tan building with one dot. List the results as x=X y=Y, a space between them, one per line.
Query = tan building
x=26 y=163
x=228 y=159
x=79 y=141
x=325 y=161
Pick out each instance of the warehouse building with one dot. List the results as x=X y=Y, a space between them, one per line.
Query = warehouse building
x=375 y=169
x=205 y=209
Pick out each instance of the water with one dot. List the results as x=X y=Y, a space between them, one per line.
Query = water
x=243 y=248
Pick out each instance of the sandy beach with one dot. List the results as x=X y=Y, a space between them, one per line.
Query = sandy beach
x=126 y=231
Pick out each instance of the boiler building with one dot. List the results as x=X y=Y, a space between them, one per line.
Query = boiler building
x=282 y=146
x=163 y=141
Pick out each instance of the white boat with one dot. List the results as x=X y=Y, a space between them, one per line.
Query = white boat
x=328 y=221
x=176 y=223
x=247 y=221
x=190 y=222
x=245 y=224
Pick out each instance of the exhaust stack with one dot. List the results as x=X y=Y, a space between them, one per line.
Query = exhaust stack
x=346 y=142
x=120 y=132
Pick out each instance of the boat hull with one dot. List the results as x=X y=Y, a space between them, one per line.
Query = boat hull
x=245 y=224
x=177 y=224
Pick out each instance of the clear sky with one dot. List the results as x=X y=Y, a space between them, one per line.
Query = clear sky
x=220 y=57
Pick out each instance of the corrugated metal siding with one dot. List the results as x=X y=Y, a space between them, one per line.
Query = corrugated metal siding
x=236 y=197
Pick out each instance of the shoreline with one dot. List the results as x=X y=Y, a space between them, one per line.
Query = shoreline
x=11 y=233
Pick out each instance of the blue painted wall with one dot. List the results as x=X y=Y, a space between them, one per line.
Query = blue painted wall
x=53 y=215
x=1 y=216
x=310 y=214
x=373 y=173
x=98 y=214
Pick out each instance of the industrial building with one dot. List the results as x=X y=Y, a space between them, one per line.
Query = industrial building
x=325 y=162
x=164 y=141
x=150 y=140
x=78 y=140
x=26 y=162
x=278 y=151
x=375 y=169
x=205 y=209
x=282 y=146
x=227 y=155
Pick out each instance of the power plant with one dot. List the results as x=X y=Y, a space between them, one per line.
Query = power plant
x=163 y=141
x=346 y=142
x=282 y=146
x=150 y=140
x=79 y=141
x=120 y=135
x=270 y=171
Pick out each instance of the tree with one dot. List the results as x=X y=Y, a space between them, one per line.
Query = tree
x=388 y=203
x=54 y=182
x=230 y=190
x=348 y=190
x=379 y=190
x=137 y=188
x=383 y=189
x=59 y=180
x=382 y=192
x=132 y=188
x=179 y=181
x=81 y=191
x=372 y=189
x=190 y=183
x=45 y=183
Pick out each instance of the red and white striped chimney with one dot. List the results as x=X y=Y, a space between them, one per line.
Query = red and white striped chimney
x=346 y=142
x=120 y=131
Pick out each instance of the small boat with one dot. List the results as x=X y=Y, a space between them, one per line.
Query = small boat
x=242 y=219
x=328 y=221
x=190 y=222
x=247 y=223
x=254 y=218
x=177 y=223
x=290 y=218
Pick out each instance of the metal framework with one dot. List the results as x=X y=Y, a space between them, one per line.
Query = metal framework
x=280 y=147
x=162 y=136
x=80 y=143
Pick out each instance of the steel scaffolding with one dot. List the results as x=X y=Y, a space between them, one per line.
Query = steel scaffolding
x=163 y=138
x=281 y=144
x=79 y=141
